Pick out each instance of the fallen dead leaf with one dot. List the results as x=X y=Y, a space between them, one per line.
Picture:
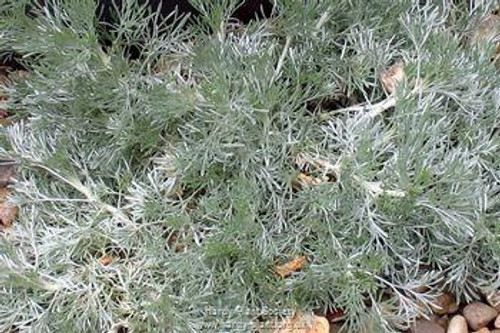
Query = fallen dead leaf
x=4 y=82
x=290 y=267
x=495 y=58
x=166 y=64
x=179 y=248
x=304 y=324
x=304 y=179
x=4 y=193
x=174 y=243
x=488 y=28
x=19 y=75
x=334 y=315
x=176 y=193
x=4 y=122
x=8 y=213
x=4 y=79
x=493 y=299
x=7 y=171
x=392 y=76
x=444 y=304
x=7 y=77
x=486 y=31
x=106 y=260
x=307 y=164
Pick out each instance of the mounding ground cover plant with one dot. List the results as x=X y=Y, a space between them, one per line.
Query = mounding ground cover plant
x=234 y=174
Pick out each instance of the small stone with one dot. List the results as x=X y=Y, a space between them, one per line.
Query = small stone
x=457 y=324
x=483 y=330
x=479 y=315
x=319 y=325
x=302 y=324
x=444 y=304
x=426 y=326
x=497 y=322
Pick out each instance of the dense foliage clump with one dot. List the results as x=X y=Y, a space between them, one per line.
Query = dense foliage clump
x=184 y=172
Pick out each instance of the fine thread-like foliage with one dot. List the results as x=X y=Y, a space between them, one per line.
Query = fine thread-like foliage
x=183 y=170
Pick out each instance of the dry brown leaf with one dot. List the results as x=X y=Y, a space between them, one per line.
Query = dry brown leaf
x=7 y=172
x=4 y=82
x=166 y=64
x=392 y=76
x=176 y=193
x=304 y=324
x=4 y=193
x=4 y=79
x=4 y=122
x=305 y=179
x=495 y=58
x=106 y=260
x=19 y=75
x=8 y=213
x=179 y=248
x=306 y=163
x=174 y=243
x=290 y=267
x=334 y=315
x=321 y=180
x=300 y=181
x=486 y=29
x=444 y=304
x=493 y=299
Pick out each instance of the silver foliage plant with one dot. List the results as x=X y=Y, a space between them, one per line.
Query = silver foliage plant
x=184 y=175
